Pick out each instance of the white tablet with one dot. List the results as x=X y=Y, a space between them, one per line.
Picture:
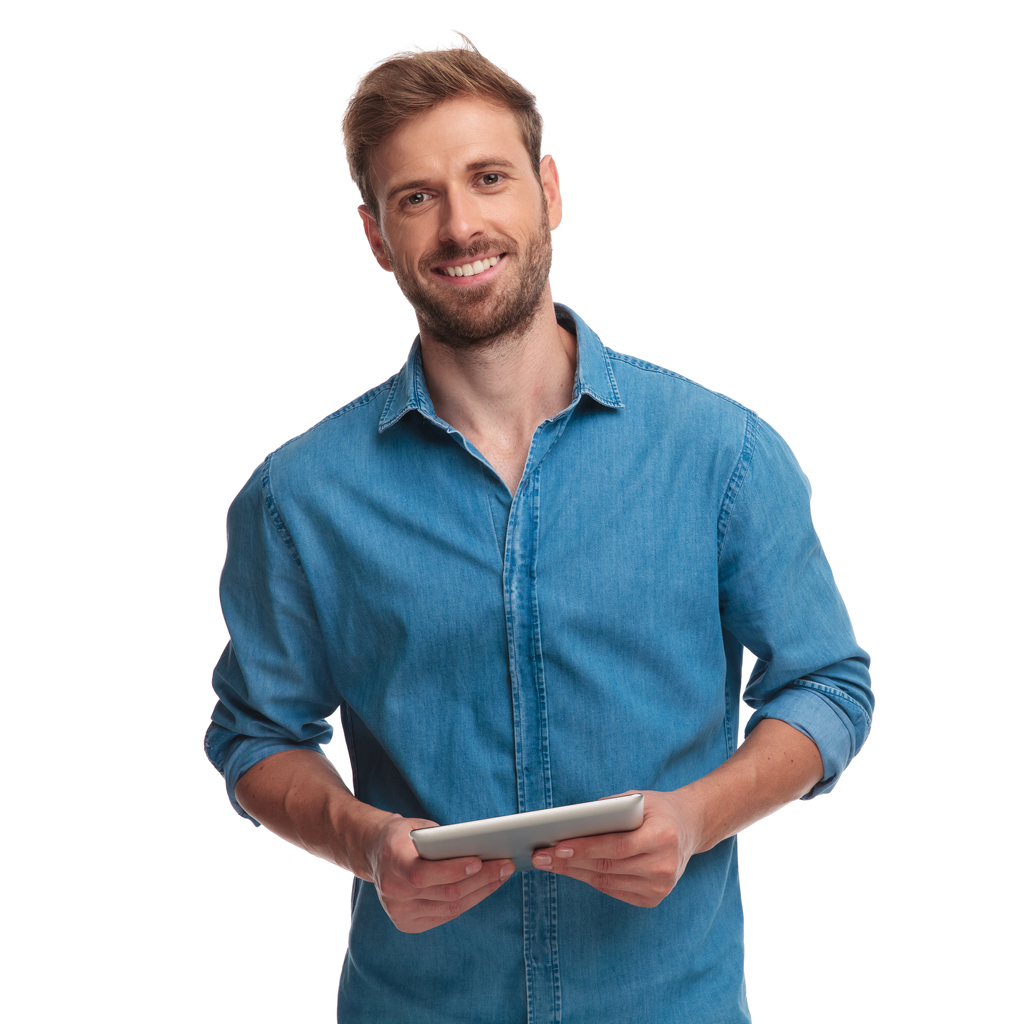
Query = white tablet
x=518 y=835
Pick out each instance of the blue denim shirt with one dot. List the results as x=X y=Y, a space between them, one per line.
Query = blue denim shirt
x=495 y=652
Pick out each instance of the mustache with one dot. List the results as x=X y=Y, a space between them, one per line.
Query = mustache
x=451 y=253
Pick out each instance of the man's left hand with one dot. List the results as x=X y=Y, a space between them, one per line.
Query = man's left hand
x=639 y=867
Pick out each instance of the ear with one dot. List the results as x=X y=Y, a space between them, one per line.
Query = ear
x=552 y=192
x=373 y=237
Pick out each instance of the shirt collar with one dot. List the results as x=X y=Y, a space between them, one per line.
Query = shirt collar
x=594 y=376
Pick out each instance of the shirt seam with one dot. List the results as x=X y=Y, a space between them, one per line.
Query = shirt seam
x=569 y=320
x=736 y=479
x=275 y=513
x=208 y=747
x=609 y=379
x=490 y=513
x=285 y=534
x=831 y=691
x=356 y=403
x=556 y=971
x=413 y=400
x=727 y=720
x=268 y=493
x=362 y=400
x=642 y=364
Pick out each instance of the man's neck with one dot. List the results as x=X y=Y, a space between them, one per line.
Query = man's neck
x=496 y=396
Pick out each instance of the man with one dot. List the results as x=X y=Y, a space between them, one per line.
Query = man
x=524 y=568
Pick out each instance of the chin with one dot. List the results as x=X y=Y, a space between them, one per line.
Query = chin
x=460 y=329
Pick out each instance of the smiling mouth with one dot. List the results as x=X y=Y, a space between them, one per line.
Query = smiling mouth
x=470 y=269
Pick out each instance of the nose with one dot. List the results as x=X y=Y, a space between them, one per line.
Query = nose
x=462 y=220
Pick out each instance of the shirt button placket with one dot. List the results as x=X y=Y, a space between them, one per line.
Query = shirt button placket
x=533 y=782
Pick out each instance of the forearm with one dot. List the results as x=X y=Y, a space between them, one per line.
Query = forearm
x=776 y=764
x=299 y=795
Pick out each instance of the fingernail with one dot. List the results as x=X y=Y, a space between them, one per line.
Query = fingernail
x=564 y=852
x=506 y=871
x=472 y=869
x=542 y=860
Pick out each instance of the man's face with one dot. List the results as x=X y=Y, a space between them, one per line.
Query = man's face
x=463 y=221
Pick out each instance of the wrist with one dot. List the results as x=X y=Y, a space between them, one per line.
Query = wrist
x=358 y=828
x=694 y=811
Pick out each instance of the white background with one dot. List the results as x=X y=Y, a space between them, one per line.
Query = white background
x=815 y=208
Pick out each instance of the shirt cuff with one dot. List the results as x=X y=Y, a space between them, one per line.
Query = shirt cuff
x=819 y=713
x=233 y=755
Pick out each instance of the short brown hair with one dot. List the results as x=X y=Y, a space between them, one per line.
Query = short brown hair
x=408 y=84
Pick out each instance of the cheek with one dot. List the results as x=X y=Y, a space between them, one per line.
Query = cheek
x=405 y=252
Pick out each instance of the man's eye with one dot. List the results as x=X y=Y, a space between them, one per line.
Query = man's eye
x=490 y=179
x=416 y=198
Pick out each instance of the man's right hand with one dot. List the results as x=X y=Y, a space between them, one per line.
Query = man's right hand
x=420 y=894
x=299 y=795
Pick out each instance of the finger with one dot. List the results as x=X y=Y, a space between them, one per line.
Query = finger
x=422 y=874
x=493 y=871
x=615 y=857
x=611 y=846
x=638 y=865
x=423 y=914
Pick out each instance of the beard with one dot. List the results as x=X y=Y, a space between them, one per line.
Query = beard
x=496 y=311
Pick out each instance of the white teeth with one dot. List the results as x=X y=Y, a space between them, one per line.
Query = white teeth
x=470 y=269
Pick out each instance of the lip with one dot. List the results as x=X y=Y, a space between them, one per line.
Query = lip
x=468 y=282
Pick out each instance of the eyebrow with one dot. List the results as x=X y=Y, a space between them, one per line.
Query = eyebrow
x=476 y=165
x=497 y=161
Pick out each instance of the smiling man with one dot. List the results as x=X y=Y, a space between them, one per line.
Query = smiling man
x=445 y=282
x=524 y=568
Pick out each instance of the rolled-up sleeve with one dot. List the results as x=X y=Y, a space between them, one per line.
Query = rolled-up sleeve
x=778 y=598
x=273 y=681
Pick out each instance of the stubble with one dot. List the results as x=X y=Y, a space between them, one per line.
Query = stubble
x=494 y=312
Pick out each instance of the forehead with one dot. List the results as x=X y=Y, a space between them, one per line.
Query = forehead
x=446 y=139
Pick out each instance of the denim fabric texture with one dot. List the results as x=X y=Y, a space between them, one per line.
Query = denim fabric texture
x=495 y=652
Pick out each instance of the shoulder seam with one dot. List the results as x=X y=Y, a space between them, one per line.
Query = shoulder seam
x=270 y=503
x=275 y=514
x=642 y=364
x=356 y=403
x=736 y=479
x=362 y=400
